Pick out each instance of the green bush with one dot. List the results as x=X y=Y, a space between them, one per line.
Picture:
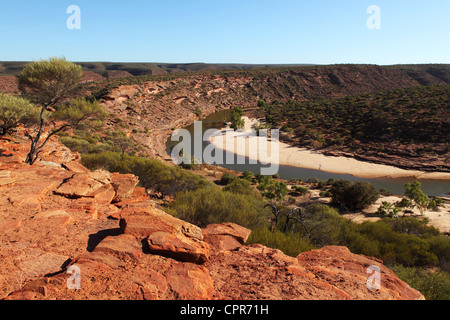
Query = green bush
x=212 y=205
x=411 y=225
x=291 y=244
x=152 y=173
x=76 y=144
x=353 y=196
x=320 y=224
x=242 y=186
x=227 y=179
x=433 y=284
x=394 y=247
x=301 y=190
x=14 y=111
x=248 y=175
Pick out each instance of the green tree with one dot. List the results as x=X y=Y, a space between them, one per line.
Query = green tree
x=236 y=119
x=248 y=175
x=49 y=83
x=14 y=111
x=354 y=196
x=414 y=193
x=273 y=189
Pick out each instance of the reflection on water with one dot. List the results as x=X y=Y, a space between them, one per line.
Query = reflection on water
x=394 y=185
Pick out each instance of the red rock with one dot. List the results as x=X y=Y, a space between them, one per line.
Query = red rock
x=81 y=184
x=10 y=225
x=88 y=205
x=240 y=233
x=142 y=222
x=349 y=272
x=222 y=242
x=123 y=185
x=190 y=282
x=123 y=247
x=42 y=265
x=75 y=166
x=103 y=195
x=178 y=247
x=31 y=193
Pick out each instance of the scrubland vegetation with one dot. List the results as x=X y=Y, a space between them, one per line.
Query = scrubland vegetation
x=406 y=116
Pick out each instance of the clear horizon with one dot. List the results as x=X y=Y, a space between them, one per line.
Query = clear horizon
x=228 y=32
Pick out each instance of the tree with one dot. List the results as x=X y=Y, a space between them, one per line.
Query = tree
x=67 y=116
x=353 y=196
x=14 y=111
x=388 y=209
x=49 y=83
x=272 y=189
x=415 y=194
x=236 y=119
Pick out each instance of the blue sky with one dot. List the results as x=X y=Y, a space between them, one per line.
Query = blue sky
x=231 y=31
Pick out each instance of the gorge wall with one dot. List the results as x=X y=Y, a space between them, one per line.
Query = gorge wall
x=152 y=109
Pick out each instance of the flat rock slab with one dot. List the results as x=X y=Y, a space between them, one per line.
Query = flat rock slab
x=143 y=222
x=178 y=247
x=123 y=246
x=42 y=265
x=78 y=186
x=238 y=232
x=123 y=185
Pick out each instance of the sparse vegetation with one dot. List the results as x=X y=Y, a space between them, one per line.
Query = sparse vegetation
x=15 y=111
x=378 y=122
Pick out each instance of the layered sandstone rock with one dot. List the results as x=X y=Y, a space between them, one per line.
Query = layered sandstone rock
x=61 y=223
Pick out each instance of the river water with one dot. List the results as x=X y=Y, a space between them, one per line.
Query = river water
x=394 y=185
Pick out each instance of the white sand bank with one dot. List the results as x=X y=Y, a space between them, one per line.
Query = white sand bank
x=303 y=158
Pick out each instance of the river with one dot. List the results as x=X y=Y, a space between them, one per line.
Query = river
x=394 y=185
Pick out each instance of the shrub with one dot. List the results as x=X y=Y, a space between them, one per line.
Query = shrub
x=411 y=225
x=388 y=209
x=301 y=190
x=434 y=285
x=14 y=111
x=354 y=196
x=415 y=194
x=236 y=119
x=226 y=179
x=248 y=175
x=152 y=173
x=241 y=186
x=212 y=205
x=318 y=223
x=291 y=244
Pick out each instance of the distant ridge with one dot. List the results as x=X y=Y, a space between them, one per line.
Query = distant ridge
x=106 y=69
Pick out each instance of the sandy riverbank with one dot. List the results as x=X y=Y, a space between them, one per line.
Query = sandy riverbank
x=304 y=158
x=439 y=218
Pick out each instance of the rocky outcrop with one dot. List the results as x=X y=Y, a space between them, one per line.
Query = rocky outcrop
x=68 y=233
